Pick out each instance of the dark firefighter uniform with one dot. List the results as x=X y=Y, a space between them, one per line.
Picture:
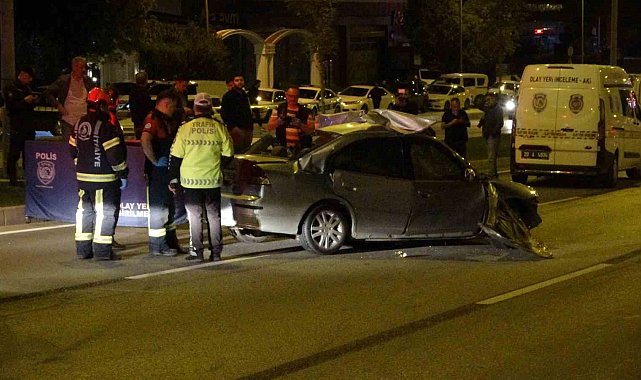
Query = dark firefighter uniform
x=162 y=231
x=100 y=168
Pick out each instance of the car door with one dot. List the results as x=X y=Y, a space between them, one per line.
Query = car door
x=368 y=175
x=444 y=203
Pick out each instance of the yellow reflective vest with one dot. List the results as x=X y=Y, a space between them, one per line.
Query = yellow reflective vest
x=200 y=144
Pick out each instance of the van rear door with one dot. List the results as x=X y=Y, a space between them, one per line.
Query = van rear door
x=577 y=117
x=557 y=116
x=534 y=141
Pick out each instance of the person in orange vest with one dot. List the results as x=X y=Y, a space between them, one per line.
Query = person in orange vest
x=293 y=122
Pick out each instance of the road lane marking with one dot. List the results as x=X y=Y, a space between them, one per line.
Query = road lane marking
x=560 y=201
x=192 y=267
x=541 y=285
x=36 y=229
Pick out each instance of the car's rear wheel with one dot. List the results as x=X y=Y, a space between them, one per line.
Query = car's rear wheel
x=247 y=236
x=633 y=173
x=520 y=178
x=325 y=230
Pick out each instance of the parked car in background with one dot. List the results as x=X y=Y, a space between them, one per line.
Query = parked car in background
x=507 y=92
x=428 y=76
x=476 y=84
x=310 y=97
x=323 y=195
x=270 y=97
x=359 y=98
x=440 y=95
x=267 y=101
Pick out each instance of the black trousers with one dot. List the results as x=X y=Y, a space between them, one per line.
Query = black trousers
x=16 y=150
x=162 y=231
x=199 y=203
x=96 y=219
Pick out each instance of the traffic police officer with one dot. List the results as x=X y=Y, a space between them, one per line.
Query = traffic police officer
x=196 y=155
x=101 y=171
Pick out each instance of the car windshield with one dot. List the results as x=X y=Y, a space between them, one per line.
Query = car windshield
x=503 y=86
x=450 y=80
x=268 y=145
x=440 y=89
x=354 y=91
x=265 y=95
x=307 y=93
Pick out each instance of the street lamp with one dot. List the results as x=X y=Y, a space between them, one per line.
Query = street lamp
x=582 y=29
x=460 y=30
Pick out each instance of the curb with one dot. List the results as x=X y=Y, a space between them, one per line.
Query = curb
x=12 y=215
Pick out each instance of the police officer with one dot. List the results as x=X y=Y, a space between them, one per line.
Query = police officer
x=157 y=137
x=20 y=104
x=201 y=145
x=101 y=170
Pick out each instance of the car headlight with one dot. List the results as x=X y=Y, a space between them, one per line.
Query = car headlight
x=510 y=105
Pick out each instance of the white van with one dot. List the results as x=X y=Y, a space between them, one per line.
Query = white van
x=576 y=119
x=477 y=84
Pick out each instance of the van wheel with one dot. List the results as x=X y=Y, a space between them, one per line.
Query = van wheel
x=612 y=175
x=478 y=101
x=520 y=178
x=633 y=173
x=467 y=104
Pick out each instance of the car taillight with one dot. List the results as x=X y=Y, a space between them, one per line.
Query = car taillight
x=249 y=178
x=258 y=176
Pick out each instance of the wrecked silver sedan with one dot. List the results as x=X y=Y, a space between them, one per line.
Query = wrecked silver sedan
x=371 y=180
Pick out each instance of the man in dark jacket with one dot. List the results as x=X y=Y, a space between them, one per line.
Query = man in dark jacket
x=455 y=123
x=140 y=103
x=237 y=116
x=20 y=103
x=491 y=124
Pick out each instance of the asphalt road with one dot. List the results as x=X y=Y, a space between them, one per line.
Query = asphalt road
x=426 y=310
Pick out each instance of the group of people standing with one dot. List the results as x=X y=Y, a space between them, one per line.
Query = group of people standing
x=184 y=149
x=455 y=123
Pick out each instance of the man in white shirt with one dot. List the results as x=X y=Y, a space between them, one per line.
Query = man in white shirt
x=69 y=94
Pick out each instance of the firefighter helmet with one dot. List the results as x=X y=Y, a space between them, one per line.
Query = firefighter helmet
x=97 y=95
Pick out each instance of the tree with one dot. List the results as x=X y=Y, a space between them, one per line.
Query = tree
x=322 y=39
x=50 y=34
x=171 y=50
x=490 y=32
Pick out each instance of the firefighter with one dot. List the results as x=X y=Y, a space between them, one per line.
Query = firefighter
x=101 y=171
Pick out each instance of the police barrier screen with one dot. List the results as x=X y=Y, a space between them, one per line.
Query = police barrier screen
x=52 y=193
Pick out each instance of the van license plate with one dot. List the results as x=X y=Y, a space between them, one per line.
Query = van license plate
x=535 y=154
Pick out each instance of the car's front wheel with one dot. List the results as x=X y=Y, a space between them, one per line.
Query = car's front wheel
x=325 y=230
x=364 y=108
